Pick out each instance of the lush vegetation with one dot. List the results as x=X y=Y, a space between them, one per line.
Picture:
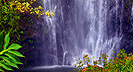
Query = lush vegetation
x=10 y=15
x=11 y=11
x=122 y=63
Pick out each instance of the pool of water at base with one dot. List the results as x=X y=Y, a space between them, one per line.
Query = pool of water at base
x=55 y=68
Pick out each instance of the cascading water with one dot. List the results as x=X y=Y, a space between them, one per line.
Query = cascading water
x=132 y=17
x=81 y=27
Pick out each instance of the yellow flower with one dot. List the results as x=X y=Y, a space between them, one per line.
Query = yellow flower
x=46 y=13
x=27 y=4
x=40 y=7
x=22 y=7
x=16 y=1
x=52 y=14
x=49 y=14
x=31 y=2
x=22 y=11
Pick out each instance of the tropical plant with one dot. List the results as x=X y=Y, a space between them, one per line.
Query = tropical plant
x=11 y=12
x=122 y=63
x=8 y=53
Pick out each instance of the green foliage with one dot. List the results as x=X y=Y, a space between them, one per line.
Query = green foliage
x=1 y=37
x=11 y=11
x=8 y=17
x=10 y=14
x=122 y=63
x=9 y=55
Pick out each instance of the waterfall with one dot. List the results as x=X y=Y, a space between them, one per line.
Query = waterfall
x=81 y=27
x=132 y=17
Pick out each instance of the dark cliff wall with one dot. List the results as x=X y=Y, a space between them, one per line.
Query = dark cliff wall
x=127 y=41
x=31 y=37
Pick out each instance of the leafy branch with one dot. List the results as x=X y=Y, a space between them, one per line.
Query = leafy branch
x=9 y=54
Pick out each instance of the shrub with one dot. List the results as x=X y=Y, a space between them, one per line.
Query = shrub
x=121 y=63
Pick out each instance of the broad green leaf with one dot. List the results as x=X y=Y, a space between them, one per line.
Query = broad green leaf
x=8 y=61
x=13 y=59
x=14 y=46
x=6 y=41
x=13 y=56
x=5 y=67
x=11 y=64
x=16 y=58
x=16 y=53
x=1 y=39
x=19 y=62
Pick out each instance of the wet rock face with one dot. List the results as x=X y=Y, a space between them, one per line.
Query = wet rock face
x=122 y=24
x=127 y=16
x=127 y=28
